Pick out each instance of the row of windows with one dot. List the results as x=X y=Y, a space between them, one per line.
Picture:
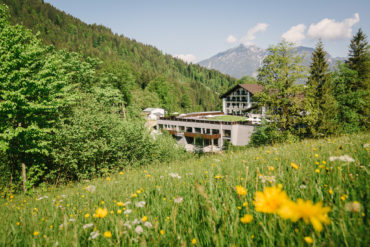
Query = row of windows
x=226 y=133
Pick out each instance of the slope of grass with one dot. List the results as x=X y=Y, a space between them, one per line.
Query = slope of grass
x=194 y=202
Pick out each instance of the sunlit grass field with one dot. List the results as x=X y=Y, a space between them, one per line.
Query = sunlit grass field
x=203 y=202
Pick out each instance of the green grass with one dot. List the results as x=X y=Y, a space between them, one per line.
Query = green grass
x=228 y=118
x=211 y=209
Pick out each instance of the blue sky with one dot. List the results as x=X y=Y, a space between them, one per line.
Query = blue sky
x=198 y=29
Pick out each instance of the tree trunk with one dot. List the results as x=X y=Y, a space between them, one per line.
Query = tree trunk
x=24 y=177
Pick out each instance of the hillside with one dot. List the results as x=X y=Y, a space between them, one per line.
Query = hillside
x=244 y=60
x=136 y=65
x=203 y=201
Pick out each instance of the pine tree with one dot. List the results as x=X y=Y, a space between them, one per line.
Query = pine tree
x=321 y=90
x=359 y=59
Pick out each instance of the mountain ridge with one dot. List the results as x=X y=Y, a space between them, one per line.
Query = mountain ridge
x=244 y=60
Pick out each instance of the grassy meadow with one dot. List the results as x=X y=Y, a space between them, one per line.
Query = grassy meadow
x=208 y=201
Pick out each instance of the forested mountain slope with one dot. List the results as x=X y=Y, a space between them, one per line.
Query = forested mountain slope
x=145 y=75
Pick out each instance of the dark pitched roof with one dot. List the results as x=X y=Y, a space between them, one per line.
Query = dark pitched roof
x=252 y=88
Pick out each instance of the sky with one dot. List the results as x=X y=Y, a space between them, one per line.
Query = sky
x=194 y=30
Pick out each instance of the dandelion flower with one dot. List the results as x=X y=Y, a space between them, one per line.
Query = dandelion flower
x=294 y=165
x=315 y=214
x=87 y=215
x=36 y=233
x=240 y=190
x=343 y=197
x=317 y=170
x=101 y=213
x=120 y=204
x=218 y=177
x=145 y=218
x=246 y=219
x=270 y=200
x=194 y=241
x=161 y=232
x=107 y=234
x=308 y=240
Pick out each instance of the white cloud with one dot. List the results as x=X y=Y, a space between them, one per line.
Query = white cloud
x=231 y=39
x=295 y=34
x=189 y=58
x=329 y=29
x=251 y=34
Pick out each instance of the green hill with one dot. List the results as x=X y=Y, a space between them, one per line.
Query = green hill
x=176 y=85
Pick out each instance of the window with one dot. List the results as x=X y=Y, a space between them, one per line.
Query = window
x=181 y=128
x=227 y=133
x=197 y=130
x=215 y=131
x=189 y=129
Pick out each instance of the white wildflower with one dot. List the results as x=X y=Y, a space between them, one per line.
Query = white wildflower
x=62 y=225
x=94 y=235
x=345 y=158
x=91 y=188
x=72 y=220
x=136 y=222
x=367 y=145
x=302 y=186
x=354 y=207
x=174 y=175
x=127 y=203
x=42 y=197
x=178 y=199
x=87 y=226
x=128 y=225
x=148 y=224
x=139 y=229
x=140 y=204
x=127 y=211
x=265 y=179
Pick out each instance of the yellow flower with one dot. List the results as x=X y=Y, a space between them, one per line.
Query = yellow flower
x=194 y=241
x=315 y=214
x=317 y=170
x=36 y=233
x=148 y=175
x=240 y=190
x=102 y=202
x=144 y=219
x=218 y=177
x=308 y=240
x=120 y=204
x=87 y=215
x=316 y=155
x=101 y=213
x=119 y=211
x=343 y=197
x=246 y=219
x=239 y=207
x=294 y=165
x=270 y=200
x=317 y=163
x=18 y=223
x=330 y=191
x=138 y=191
x=161 y=232
x=108 y=178
x=121 y=173
x=107 y=234
x=324 y=162
x=270 y=168
x=134 y=195
x=245 y=204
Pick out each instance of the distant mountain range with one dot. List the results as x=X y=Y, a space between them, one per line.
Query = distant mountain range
x=245 y=60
